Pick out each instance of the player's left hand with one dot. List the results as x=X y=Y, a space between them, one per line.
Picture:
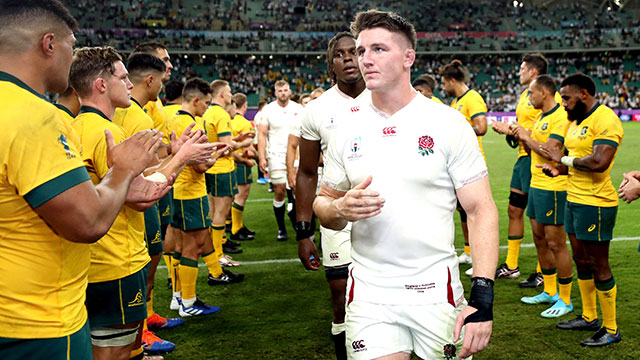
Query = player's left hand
x=500 y=127
x=477 y=334
x=308 y=254
x=629 y=188
x=360 y=203
x=550 y=171
x=146 y=192
x=177 y=142
x=550 y=152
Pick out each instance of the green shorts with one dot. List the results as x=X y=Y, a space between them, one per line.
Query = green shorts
x=546 y=206
x=590 y=223
x=118 y=302
x=521 y=177
x=70 y=347
x=165 y=207
x=152 y=232
x=220 y=185
x=191 y=214
x=244 y=175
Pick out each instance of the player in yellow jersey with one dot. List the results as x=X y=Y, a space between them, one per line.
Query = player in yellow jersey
x=44 y=272
x=69 y=103
x=547 y=199
x=426 y=85
x=471 y=104
x=592 y=139
x=172 y=97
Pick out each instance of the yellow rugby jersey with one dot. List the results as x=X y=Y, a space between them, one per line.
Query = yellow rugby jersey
x=156 y=112
x=471 y=105
x=171 y=110
x=527 y=115
x=602 y=126
x=239 y=125
x=436 y=99
x=551 y=124
x=133 y=118
x=190 y=184
x=43 y=277
x=217 y=123
x=122 y=251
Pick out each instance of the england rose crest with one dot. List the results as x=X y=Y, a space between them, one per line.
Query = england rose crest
x=425 y=145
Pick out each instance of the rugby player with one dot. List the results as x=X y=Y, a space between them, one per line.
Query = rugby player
x=592 y=139
x=172 y=97
x=426 y=85
x=69 y=103
x=548 y=199
x=471 y=104
x=404 y=291
x=629 y=189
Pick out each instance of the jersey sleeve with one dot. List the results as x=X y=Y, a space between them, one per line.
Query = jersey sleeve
x=608 y=130
x=308 y=130
x=334 y=175
x=224 y=125
x=477 y=107
x=44 y=165
x=559 y=127
x=465 y=163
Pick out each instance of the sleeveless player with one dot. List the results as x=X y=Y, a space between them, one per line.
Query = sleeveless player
x=404 y=292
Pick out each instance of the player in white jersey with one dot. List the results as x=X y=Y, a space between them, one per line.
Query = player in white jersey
x=404 y=291
x=319 y=121
x=277 y=119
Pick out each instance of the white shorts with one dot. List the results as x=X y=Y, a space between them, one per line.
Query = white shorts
x=336 y=246
x=278 y=176
x=375 y=330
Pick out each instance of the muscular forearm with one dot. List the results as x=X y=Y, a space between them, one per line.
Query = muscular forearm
x=292 y=147
x=484 y=239
x=325 y=209
x=306 y=184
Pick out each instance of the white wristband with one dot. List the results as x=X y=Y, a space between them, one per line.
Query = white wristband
x=567 y=160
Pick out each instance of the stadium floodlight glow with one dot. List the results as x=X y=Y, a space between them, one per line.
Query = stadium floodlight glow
x=185 y=56
x=515 y=3
x=270 y=56
x=204 y=56
x=521 y=4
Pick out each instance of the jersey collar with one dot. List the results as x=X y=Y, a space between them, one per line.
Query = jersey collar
x=461 y=96
x=550 y=111
x=596 y=106
x=136 y=101
x=90 y=109
x=182 y=112
x=65 y=109
x=14 y=80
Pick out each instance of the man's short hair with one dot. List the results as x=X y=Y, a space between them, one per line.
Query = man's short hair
x=304 y=96
x=331 y=48
x=88 y=64
x=546 y=82
x=425 y=79
x=141 y=65
x=173 y=90
x=239 y=99
x=581 y=81
x=261 y=104
x=454 y=70
x=195 y=87
x=537 y=61
x=295 y=97
x=387 y=20
x=280 y=83
x=217 y=85
x=149 y=48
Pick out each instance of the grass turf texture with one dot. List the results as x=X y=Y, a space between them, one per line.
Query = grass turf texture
x=282 y=311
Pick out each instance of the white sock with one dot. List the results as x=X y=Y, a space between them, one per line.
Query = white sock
x=177 y=294
x=337 y=328
x=278 y=203
x=188 y=302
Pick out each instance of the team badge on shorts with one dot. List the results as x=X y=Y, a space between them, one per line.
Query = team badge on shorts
x=449 y=351
x=425 y=145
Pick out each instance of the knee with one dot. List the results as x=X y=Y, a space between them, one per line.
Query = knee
x=517 y=204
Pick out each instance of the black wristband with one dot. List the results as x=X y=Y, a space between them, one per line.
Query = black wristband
x=512 y=141
x=304 y=230
x=481 y=298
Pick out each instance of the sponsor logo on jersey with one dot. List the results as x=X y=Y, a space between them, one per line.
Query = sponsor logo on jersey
x=355 y=109
x=65 y=145
x=358 y=346
x=137 y=301
x=389 y=131
x=425 y=145
x=449 y=351
x=334 y=256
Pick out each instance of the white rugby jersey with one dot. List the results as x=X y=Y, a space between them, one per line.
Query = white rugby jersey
x=280 y=120
x=321 y=115
x=418 y=157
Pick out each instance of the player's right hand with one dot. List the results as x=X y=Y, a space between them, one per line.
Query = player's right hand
x=263 y=165
x=308 y=254
x=360 y=202
x=549 y=170
x=143 y=191
x=500 y=127
x=477 y=334
x=135 y=152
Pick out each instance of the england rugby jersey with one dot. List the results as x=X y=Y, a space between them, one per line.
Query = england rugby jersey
x=280 y=121
x=417 y=157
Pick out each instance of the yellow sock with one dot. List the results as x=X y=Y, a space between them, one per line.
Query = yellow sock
x=467 y=249
x=188 y=277
x=149 y=303
x=588 y=295
x=167 y=260
x=538 y=268
x=217 y=232
x=565 y=289
x=549 y=276
x=513 y=251
x=135 y=354
x=144 y=325
x=607 y=292
x=211 y=259
x=175 y=274
x=236 y=217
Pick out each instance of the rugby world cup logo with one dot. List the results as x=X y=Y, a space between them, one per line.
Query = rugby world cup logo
x=425 y=145
x=355 y=145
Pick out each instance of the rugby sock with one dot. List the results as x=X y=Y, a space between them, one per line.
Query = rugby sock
x=149 y=304
x=339 y=340
x=236 y=217
x=188 y=277
x=175 y=274
x=211 y=259
x=217 y=233
x=607 y=292
x=167 y=256
x=565 y=289
x=278 y=210
x=588 y=295
x=467 y=248
x=538 y=268
x=513 y=250
x=227 y=224
x=137 y=354
x=550 y=276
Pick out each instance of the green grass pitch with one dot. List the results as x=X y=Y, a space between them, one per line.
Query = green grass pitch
x=282 y=311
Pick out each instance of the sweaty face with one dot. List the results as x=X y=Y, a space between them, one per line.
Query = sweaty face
x=345 y=61
x=119 y=87
x=283 y=93
x=163 y=54
x=536 y=95
x=572 y=102
x=381 y=57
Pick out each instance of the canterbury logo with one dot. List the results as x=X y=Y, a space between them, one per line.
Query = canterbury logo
x=138 y=300
x=549 y=212
x=334 y=256
x=358 y=345
x=355 y=109
x=591 y=228
x=389 y=130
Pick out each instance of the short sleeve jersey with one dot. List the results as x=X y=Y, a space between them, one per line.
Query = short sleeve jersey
x=239 y=125
x=436 y=99
x=43 y=277
x=280 y=120
x=156 y=111
x=405 y=255
x=133 y=118
x=602 y=126
x=122 y=251
x=217 y=123
x=171 y=110
x=551 y=124
x=190 y=184
x=527 y=115
x=471 y=105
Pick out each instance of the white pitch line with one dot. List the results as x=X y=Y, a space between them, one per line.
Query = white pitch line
x=283 y=261
x=259 y=200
